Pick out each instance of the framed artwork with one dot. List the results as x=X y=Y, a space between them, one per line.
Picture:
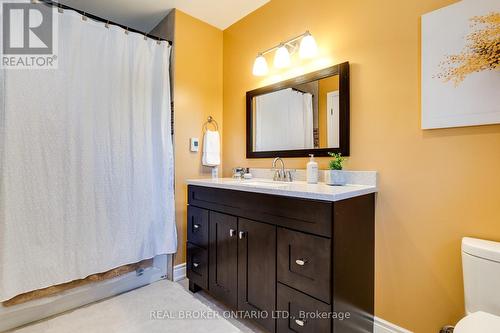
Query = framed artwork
x=461 y=65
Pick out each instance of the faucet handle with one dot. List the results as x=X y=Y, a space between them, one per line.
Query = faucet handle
x=277 y=175
x=238 y=172
x=288 y=176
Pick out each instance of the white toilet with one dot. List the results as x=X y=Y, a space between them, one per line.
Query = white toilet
x=481 y=269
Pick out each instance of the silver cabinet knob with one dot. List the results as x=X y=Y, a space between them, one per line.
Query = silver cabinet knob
x=231 y=232
x=300 y=322
x=196 y=226
x=241 y=234
x=195 y=264
x=301 y=262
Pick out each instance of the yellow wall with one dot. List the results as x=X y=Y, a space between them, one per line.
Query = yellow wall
x=435 y=186
x=197 y=94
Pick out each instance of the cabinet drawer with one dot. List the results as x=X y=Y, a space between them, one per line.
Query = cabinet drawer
x=197 y=265
x=301 y=312
x=307 y=215
x=304 y=263
x=197 y=226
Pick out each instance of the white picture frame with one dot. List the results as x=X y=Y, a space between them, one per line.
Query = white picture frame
x=474 y=100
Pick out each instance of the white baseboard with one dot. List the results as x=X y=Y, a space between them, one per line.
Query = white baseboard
x=383 y=326
x=380 y=325
x=179 y=272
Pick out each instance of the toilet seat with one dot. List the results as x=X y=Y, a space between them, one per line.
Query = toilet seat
x=478 y=322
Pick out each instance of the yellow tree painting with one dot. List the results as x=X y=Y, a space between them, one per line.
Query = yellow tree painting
x=482 y=51
x=460 y=65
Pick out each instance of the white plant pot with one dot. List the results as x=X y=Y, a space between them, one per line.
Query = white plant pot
x=335 y=177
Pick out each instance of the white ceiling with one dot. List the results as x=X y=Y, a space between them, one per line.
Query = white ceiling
x=144 y=15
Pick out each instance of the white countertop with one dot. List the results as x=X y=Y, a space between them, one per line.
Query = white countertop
x=298 y=189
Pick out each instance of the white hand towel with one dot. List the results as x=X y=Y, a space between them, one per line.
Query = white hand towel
x=211 y=148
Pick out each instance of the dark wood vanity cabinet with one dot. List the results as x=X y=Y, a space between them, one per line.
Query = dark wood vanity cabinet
x=307 y=264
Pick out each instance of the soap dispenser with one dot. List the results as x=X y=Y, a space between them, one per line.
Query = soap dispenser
x=312 y=171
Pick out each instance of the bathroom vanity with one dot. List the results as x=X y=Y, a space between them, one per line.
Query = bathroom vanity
x=297 y=256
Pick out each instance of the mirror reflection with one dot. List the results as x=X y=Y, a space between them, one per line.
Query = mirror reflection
x=304 y=116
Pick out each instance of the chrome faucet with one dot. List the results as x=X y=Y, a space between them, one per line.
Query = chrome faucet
x=281 y=175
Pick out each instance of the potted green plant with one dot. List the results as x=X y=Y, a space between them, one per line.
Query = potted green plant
x=335 y=175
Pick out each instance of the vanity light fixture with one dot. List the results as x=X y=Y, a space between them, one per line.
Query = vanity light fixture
x=308 y=47
x=260 y=66
x=282 y=57
x=304 y=43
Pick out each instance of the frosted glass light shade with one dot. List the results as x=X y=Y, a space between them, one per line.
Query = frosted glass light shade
x=282 y=57
x=260 y=66
x=308 y=47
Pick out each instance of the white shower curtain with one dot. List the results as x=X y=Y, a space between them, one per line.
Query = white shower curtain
x=86 y=164
x=284 y=121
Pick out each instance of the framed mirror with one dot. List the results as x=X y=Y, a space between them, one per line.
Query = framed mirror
x=305 y=115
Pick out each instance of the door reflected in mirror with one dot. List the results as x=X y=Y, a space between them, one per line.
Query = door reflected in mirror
x=300 y=116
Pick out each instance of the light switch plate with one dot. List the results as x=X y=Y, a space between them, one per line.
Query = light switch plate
x=194 y=144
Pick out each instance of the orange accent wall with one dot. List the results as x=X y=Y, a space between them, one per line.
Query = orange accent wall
x=197 y=94
x=436 y=186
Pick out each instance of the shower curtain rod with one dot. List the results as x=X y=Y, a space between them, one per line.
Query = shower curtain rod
x=100 y=19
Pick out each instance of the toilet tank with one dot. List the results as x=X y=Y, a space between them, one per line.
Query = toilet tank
x=481 y=270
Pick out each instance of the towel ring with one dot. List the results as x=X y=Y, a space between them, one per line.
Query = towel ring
x=210 y=121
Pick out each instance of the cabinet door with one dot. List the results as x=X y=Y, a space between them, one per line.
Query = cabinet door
x=223 y=253
x=257 y=270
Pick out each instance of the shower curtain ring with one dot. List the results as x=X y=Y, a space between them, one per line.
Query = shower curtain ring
x=145 y=36
x=158 y=41
x=126 y=31
x=106 y=25
x=60 y=9
x=84 y=17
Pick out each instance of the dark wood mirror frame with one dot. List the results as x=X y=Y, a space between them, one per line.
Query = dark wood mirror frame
x=343 y=71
